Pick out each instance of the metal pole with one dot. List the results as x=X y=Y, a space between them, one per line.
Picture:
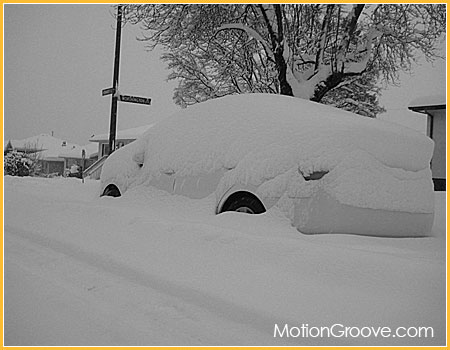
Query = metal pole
x=113 y=122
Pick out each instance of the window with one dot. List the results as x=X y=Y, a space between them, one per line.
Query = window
x=105 y=149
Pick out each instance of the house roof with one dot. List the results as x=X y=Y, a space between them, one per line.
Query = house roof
x=427 y=103
x=127 y=134
x=48 y=146
x=90 y=149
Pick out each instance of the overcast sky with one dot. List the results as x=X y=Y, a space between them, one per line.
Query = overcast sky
x=58 y=58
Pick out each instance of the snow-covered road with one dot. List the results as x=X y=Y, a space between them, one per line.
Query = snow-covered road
x=149 y=268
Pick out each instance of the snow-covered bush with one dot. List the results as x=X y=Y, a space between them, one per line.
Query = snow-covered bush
x=19 y=164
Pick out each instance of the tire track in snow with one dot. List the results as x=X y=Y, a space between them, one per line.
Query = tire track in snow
x=224 y=309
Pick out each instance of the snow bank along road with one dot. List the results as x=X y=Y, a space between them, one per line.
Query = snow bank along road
x=150 y=268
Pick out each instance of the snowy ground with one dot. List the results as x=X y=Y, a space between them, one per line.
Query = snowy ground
x=149 y=268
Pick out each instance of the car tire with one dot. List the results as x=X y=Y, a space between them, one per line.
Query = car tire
x=244 y=203
x=111 y=191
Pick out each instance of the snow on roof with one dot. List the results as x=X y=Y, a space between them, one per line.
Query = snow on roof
x=91 y=149
x=127 y=134
x=427 y=101
x=50 y=147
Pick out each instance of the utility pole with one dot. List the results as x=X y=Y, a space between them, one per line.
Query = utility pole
x=113 y=122
x=116 y=96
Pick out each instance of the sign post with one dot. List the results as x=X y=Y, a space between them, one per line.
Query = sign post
x=83 y=156
x=114 y=89
x=113 y=121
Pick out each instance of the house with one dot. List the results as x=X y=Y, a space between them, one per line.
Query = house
x=123 y=137
x=47 y=150
x=74 y=155
x=54 y=155
x=435 y=109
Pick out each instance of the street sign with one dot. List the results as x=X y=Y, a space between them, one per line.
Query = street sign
x=108 y=91
x=135 y=99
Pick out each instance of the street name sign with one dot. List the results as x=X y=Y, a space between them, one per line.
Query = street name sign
x=135 y=99
x=107 y=91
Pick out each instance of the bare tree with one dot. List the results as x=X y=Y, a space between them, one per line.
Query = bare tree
x=312 y=51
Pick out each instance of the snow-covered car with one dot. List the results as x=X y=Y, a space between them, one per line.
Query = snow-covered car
x=328 y=170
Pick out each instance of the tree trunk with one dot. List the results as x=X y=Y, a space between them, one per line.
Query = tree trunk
x=285 y=87
x=330 y=83
x=278 y=43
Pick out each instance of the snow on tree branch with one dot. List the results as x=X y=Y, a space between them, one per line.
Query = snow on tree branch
x=361 y=65
x=250 y=32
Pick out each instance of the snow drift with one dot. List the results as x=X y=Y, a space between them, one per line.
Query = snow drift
x=154 y=269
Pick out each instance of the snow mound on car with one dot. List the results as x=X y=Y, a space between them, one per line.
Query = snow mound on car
x=268 y=140
x=222 y=132
x=120 y=168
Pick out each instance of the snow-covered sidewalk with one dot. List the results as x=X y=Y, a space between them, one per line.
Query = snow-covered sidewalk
x=150 y=268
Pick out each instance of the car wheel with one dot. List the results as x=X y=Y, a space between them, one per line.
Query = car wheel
x=244 y=202
x=111 y=191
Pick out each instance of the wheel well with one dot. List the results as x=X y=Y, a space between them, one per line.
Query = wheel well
x=112 y=191
x=237 y=195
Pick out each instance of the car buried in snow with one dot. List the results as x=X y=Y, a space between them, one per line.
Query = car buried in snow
x=327 y=170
